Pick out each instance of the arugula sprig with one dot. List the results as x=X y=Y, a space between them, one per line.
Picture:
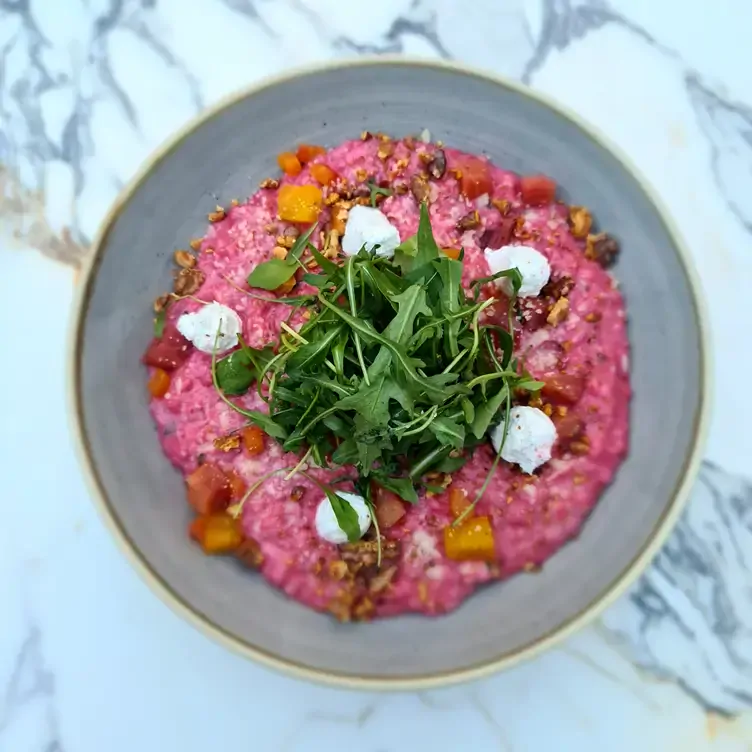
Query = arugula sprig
x=394 y=373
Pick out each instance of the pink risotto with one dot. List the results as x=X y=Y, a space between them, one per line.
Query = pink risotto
x=433 y=545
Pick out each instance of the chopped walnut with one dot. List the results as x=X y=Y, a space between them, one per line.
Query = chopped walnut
x=216 y=216
x=386 y=149
x=160 y=303
x=341 y=607
x=184 y=259
x=366 y=136
x=339 y=218
x=361 y=175
x=593 y=317
x=279 y=252
x=419 y=188
x=500 y=204
x=561 y=410
x=579 y=447
x=548 y=409
x=558 y=288
x=438 y=164
x=559 y=312
x=271 y=229
x=362 y=201
x=331 y=244
x=365 y=552
x=338 y=569
x=196 y=243
x=580 y=221
x=531 y=566
x=227 y=443
x=409 y=142
x=249 y=552
x=234 y=202
x=188 y=281
x=602 y=248
x=469 y=222
x=400 y=189
x=297 y=493
x=269 y=183
x=286 y=241
x=208 y=250
x=332 y=198
x=382 y=580
x=364 y=609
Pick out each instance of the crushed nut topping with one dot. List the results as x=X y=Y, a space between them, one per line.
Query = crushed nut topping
x=469 y=222
x=561 y=410
x=558 y=288
x=332 y=198
x=419 y=188
x=361 y=175
x=184 y=259
x=364 y=609
x=602 y=248
x=579 y=447
x=400 y=189
x=531 y=566
x=425 y=157
x=559 y=312
x=227 y=443
x=279 y=252
x=234 y=202
x=500 y=204
x=593 y=317
x=249 y=552
x=331 y=244
x=409 y=142
x=580 y=221
x=297 y=493
x=339 y=218
x=338 y=569
x=271 y=229
x=548 y=409
x=385 y=150
x=188 y=281
x=286 y=241
x=209 y=250
x=382 y=580
x=366 y=136
x=196 y=243
x=438 y=164
x=363 y=201
x=216 y=216
x=160 y=303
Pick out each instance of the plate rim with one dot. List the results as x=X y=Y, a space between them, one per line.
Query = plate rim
x=617 y=587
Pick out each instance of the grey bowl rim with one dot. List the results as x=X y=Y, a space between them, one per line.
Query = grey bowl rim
x=181 y=607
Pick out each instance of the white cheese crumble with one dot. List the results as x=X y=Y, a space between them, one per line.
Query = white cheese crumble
x=530 y=438
x=202 y=326
x=327 y=526
x=369 y=228
x=532 y=265
x=424 y=545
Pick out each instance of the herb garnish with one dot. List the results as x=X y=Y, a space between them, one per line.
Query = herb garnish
x=393 y=373
x=377 y=190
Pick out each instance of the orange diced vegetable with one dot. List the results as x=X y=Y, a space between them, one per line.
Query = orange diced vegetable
x=323 y=174
x=208 y=489
x=237 y=485
x=453 y=253
x=299 y=203
x=389 y=508
x=159 y=383
x=563 y=387
x=307 y=152
x=289 y=163
x=253 y=440
x=472 y=540
x=217 y=533
x=286 y=287
x=458 y=501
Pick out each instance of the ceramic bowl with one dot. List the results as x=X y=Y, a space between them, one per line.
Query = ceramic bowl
x=223 y=154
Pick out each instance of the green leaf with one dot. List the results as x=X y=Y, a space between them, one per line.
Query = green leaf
x=269 y=275
x=403 y=487
x=372 y=402
x=160 y=319
x=448 y=432
x=530 y=385
x=486 y=412
x=310 y=355
x=300 y=245
x=451 y=298
x=409 y=246
x=346 y=453
x=452 y=464
x=427 y=249
x=468 y=408
x=347 y=517
x=238 y=370
x=377 y=190
x=266 y=424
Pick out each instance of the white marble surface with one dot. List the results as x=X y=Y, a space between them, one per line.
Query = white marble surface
x=89 y=659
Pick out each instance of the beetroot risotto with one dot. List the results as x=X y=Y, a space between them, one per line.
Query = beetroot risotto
x=392 y=375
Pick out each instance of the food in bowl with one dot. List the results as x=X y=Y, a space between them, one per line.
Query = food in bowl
x=392 y=375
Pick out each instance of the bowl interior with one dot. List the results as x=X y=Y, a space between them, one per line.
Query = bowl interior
x=225 y=157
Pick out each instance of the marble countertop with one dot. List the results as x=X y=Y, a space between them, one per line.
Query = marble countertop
x=90 y=660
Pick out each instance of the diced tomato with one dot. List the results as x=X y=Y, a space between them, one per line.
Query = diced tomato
x=169 y=351
x=564 y=388
x=289 y=163
x=453 y=253
x=159 y=383
x=253 y=440
x=323 y=174
x=473 y=540
x=209 y=489
x=458 y=501
x=389 y=508
x=237 y=485
x=217 y=533
x=475 y=179
x=537 y=190
x=497 y=237
x=307 y=152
